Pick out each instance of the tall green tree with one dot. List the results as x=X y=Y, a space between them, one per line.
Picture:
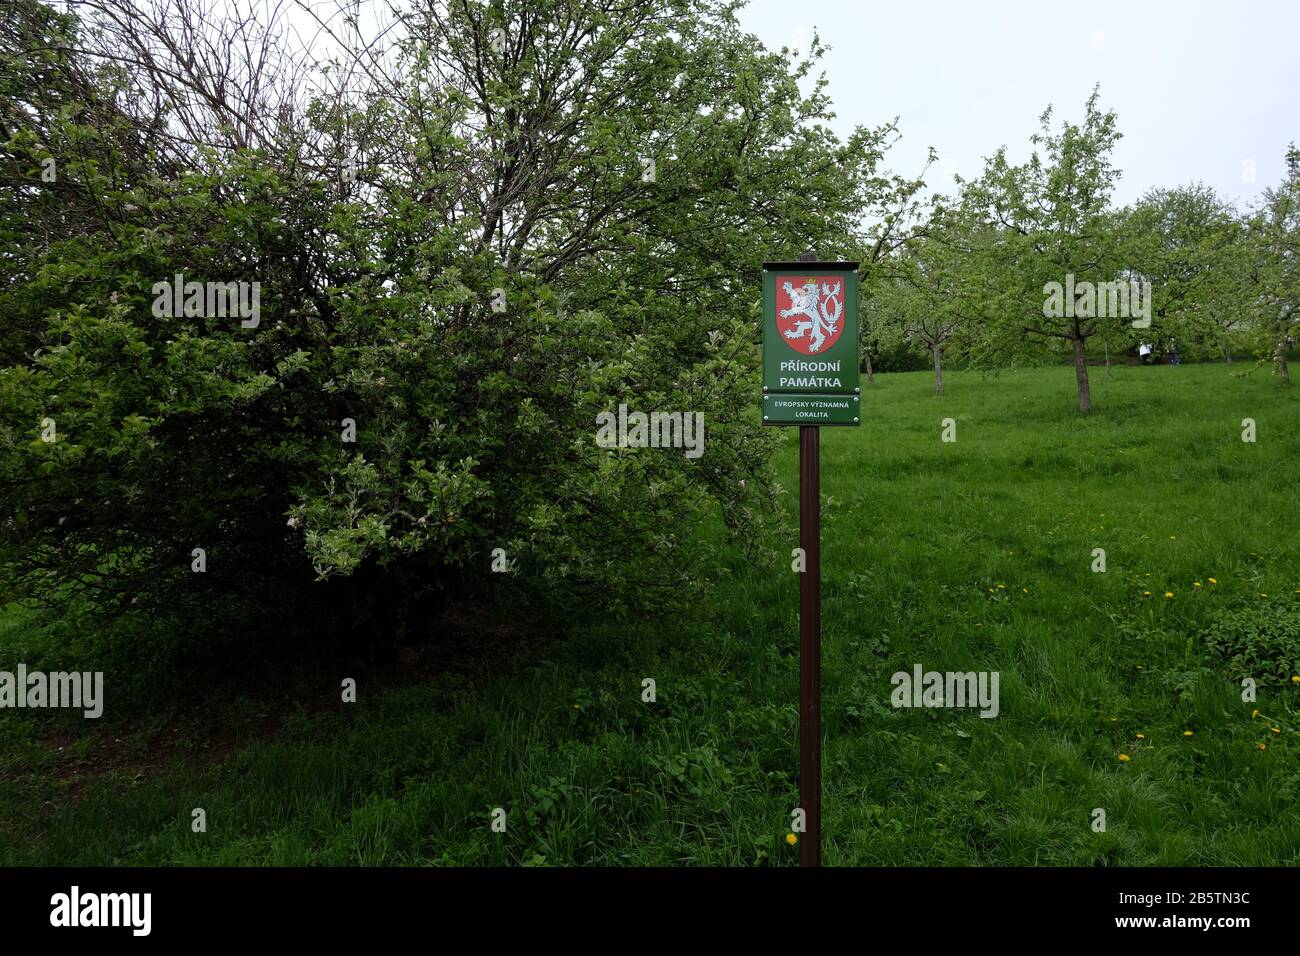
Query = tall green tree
x=1274 y=237
x=1188 y=243
x=1054 y=224
x=935 y=300
x=473 y=233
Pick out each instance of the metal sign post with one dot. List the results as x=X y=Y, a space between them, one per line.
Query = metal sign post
x=810 y=379
x=810 y=645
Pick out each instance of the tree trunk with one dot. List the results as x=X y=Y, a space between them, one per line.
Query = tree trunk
x=1081 y=374
x=938 y=370
x=871 y=375
x=1227 y=353
x=1109 y=373
x=1281 y=361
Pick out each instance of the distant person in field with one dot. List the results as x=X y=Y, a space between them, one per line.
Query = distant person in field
x=1144 y=353
x=1174 y=357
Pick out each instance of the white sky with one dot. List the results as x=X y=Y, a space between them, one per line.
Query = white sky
x=1200 y=88
x=1205 y=90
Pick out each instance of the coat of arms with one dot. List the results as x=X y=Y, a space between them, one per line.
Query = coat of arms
x=808 y=316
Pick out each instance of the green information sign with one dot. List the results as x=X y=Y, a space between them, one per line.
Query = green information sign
x=810 y=379
x=810 y=343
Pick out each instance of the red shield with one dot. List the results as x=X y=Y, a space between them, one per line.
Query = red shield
x=809 y=312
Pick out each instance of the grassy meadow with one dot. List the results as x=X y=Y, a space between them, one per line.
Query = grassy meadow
x=972 y=555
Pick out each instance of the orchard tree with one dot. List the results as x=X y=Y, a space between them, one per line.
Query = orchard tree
x=1274 y=236
x=881 y=253
x=1188 y=243
x=1055 y=226
x=935 y=300
x=881 y=332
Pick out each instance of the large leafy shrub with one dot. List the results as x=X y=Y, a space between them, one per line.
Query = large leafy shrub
x=479 y=154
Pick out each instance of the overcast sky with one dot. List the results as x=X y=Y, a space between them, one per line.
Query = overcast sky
x=1204 y=91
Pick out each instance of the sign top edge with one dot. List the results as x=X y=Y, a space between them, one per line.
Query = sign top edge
x=808 y=266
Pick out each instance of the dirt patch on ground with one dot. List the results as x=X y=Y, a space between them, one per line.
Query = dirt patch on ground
x=206 y=732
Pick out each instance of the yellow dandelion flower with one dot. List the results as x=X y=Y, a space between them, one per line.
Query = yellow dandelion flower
x=1196 y=584
x=1262 y=746
x=1254 y=714
x=1146 y=593
x=1172 y=537
x=1187 y=733
x=577 y=707
x=1124 y=758
x=1212 y=581
x=1026 y=590
x=1169 y=594
x=1262 y=594
x=1142 y=736
x=1002 y=587
x=1296 y=679
x=791 y=839
x=1276 y=730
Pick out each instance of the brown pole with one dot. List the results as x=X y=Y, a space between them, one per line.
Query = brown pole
x=810 y=646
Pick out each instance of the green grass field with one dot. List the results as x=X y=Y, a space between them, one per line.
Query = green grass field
x=972 y=555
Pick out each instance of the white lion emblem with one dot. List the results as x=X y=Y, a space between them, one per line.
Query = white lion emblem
x=811 y=301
